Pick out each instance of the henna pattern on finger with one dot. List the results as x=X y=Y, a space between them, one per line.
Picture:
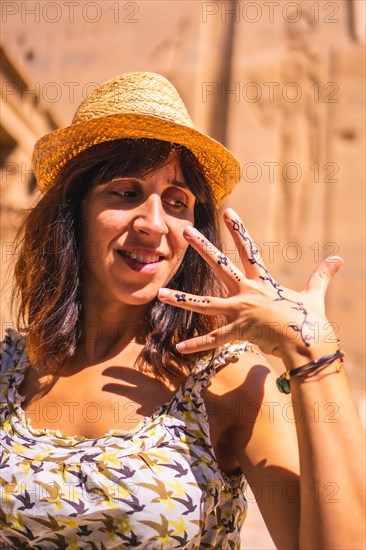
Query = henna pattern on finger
x=235 y=274
x=255 y=258
x=183 y=298
x=254 y=253
x=222 y=259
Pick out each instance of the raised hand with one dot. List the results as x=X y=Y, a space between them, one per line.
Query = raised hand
x=256 y=307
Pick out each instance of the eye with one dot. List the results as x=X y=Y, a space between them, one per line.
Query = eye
x=177 y=204
x=121 y=189
x=124 y=194
x=175 y=198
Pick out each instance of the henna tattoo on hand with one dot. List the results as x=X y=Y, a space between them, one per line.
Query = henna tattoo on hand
x=235 y=274
x=183 y=298
x=222 y=260
x=254 y=258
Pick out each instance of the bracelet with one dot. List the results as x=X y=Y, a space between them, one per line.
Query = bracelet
x=283 y=382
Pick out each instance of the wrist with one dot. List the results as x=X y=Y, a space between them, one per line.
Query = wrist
x=296 y=353
x=297 y=357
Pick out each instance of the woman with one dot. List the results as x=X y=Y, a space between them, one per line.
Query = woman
x=135 y=409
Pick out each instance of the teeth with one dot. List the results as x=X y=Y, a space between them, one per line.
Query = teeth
x=140 y=258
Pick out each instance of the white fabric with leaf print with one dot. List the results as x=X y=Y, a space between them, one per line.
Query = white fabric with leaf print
x=157 y=487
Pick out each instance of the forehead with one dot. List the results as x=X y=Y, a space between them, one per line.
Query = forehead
x=140 y=163
x=170 y=171
x=169 y=174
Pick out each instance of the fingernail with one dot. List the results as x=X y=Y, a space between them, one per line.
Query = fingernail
x=163 y=292
x=190 y=231
x=230 y=212
x=181 y=346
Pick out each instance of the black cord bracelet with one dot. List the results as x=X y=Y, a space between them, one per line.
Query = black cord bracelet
x=283 y=382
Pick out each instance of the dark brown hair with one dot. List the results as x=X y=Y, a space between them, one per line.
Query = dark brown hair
x=47 y=271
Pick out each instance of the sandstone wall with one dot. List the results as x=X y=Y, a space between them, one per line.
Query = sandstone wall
x=280 y=83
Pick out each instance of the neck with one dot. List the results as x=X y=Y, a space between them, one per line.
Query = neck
x=107 y=330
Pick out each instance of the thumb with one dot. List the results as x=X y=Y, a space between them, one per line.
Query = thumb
x=323 y=274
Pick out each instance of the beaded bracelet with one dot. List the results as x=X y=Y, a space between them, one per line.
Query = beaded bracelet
x=283 y=382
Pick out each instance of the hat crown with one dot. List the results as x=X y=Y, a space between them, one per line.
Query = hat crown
x=139 y=93
x=141 y=105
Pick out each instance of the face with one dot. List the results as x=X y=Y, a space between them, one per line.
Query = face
x=133 y=240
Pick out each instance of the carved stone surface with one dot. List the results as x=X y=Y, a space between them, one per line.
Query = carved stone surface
x=280 y=83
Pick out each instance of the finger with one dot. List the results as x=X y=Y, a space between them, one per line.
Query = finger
x=323 y=274
x=199 y=304
x=224 y=268
x=249 y=253
x=211 y=340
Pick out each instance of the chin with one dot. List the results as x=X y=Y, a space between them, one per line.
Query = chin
x=139 y=299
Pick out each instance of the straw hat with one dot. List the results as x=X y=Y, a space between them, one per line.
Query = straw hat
x=134 y=105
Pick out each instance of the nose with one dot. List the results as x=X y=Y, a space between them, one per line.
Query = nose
x=150 y=218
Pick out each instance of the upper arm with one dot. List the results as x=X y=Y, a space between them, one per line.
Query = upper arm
x=261 y=434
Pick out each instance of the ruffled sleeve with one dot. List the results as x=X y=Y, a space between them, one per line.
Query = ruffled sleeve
x=206 y=367
x=13 y=356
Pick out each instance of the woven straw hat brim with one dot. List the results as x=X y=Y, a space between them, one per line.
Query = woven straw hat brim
x=54 y=150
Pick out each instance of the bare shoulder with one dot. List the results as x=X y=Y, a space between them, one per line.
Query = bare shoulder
x=245 y=380
x=249 y=415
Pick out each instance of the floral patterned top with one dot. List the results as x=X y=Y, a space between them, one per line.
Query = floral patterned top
x=156 y=487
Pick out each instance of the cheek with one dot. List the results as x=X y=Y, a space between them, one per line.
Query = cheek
x=108 y=222
x=178 y=242
x=91 y=245
x=180 y=249
x=99 y=231
x=177 y=239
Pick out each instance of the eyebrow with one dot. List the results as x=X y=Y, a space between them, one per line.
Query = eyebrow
x=181 y=184
x=175 y=182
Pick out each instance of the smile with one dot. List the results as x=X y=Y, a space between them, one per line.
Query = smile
x=140 y=258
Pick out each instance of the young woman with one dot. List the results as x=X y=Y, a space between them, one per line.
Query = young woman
x=134 y=407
